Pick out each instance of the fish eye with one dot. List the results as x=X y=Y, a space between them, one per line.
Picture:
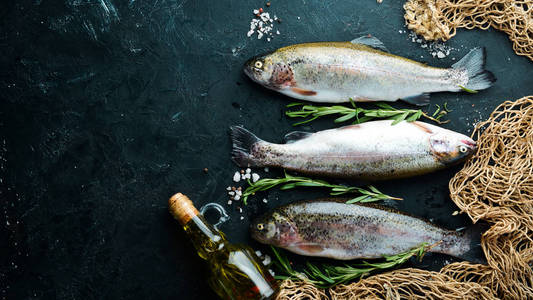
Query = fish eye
x=463 y=149
x=260 y=226
x=258 y=64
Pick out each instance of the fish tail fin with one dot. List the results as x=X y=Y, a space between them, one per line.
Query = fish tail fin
x=465 y=244
x=474 y=64
x=243 y=147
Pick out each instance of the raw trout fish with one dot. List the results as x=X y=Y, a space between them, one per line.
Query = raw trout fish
x=362 y=70
x=327 y=228
x=373 y=150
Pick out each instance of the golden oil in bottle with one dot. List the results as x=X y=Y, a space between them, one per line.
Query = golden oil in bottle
x=236 y=272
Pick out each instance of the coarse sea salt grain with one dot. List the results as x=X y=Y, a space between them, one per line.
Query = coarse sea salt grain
x=248 y=171
x=262 y=24
x=247 y=176
x=237 y=177
x=265 y=200
x=435 y=48
x=255 y=177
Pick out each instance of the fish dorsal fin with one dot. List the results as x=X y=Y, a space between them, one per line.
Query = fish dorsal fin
x=294 y=136
x=370 y=41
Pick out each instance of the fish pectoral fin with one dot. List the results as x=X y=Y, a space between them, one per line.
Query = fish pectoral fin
x=294 y=136
x=303 y=92
x=371 y=41
x=420 y=100
x=311 y=248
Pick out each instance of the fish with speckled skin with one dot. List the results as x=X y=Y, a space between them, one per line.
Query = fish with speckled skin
x=362 y=70
x=374 y=150
x=332 y=229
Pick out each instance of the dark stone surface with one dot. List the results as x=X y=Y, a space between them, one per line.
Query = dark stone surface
x=109 y=107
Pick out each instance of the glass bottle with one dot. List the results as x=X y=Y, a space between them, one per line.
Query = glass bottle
x=236 y=271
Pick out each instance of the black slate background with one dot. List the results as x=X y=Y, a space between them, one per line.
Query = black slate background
x=109 y=107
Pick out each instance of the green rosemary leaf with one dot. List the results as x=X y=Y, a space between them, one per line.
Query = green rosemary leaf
x=436 y=111
x=374 y=189
x=294 y=104
x=362 y=120
x=345 y=117
x=400 y=118
x=384 y=105
x=468 y=90
x=357 y=199
x=338 y=189
x=414 y=116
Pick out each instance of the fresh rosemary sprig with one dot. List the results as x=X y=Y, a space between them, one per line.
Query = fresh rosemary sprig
x=329 y=275
x=385 y=111
x=290 y=182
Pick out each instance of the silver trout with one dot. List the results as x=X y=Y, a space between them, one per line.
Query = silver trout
x=327 y=228
x=362 y=70
x=373 y=150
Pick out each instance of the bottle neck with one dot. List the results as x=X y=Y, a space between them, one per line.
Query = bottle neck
x=204 y=236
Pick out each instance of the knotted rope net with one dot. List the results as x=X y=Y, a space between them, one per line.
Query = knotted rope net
x=495 y=185
x=439 y=19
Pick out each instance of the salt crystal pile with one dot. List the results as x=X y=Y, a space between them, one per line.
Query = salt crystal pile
x=262 y=25
x=436 y=49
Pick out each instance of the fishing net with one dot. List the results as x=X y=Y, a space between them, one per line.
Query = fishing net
x=439 y=19
x=495 y=185
x=411 y=284
x=300 y=290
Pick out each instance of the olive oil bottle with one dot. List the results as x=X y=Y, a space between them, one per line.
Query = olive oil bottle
x=236 y=272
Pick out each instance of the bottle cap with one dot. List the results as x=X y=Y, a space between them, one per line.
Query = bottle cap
x=181 y=208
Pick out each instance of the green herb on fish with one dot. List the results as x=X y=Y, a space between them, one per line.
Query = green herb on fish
x=385 y=111
x=290 y=182
x=468 y=90
x=327 y=276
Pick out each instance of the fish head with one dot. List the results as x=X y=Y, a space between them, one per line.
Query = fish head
x=274 y=229
x=451 y=147
x=269 y=70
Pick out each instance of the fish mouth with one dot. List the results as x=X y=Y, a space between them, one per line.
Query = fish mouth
x=248 y=71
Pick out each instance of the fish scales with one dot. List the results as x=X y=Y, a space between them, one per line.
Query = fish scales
x=354 y=67
x=374 y=150
x=347 y=231
x=339 y=71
